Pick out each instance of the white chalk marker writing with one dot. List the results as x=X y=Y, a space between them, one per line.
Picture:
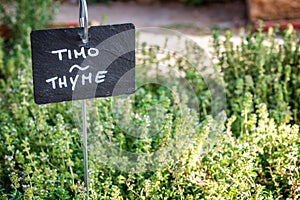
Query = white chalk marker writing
x=70 y=54
x=62 y=82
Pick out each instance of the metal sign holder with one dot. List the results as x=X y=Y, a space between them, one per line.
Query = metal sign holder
x=83 y=21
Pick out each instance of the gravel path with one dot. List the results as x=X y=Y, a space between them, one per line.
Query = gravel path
x=172 y=15
x=194 y=23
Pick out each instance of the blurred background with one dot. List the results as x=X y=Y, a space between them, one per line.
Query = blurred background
x=187 y=16
x=257 y=153
x=196 y=17
x=190 y=16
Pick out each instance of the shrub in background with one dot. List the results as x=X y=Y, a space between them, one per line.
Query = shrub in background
x=266 y=66
x=20 y=17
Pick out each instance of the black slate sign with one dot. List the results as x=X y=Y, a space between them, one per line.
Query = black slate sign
x=64 y=68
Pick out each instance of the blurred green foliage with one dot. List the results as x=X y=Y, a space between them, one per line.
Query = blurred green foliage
x=19 y=18
x=267 y=66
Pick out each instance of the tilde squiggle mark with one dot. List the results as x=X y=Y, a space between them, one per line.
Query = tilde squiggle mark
x=78 y=67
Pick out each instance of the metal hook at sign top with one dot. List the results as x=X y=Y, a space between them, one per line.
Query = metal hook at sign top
x=84 y=20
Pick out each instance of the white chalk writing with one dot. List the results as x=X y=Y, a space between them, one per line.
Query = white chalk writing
x=75 y=54
x=89 y=78
x=84 y=78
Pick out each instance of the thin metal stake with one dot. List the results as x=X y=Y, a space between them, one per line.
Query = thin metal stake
x=83 y=21
x=85 y=149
